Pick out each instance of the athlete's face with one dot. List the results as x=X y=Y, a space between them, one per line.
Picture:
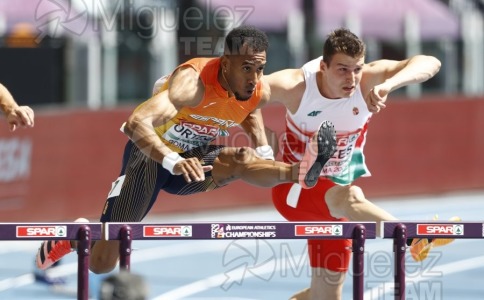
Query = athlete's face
x=242 y=73
x=341 y=77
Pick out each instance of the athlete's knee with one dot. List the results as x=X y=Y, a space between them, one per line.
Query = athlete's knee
x=355 y=195
x=98 y=267
x=103 y=258
x=340 y=199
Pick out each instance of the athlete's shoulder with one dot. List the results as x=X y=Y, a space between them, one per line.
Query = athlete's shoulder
x=312 y=66
x=286 y=86
x=199 y=63
x=285 y=79
x=186 y=87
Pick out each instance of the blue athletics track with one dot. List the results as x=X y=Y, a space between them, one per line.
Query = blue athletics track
x=269 y=269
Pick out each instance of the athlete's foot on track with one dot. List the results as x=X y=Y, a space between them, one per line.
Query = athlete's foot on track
x=52 y=251
x=318 y=151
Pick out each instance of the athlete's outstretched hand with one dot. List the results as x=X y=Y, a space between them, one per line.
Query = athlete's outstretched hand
x=191 y=169
x=377 y=97
x=22 y=116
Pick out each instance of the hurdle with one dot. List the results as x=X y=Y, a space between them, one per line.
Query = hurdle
x=84 y=233
x=401 y=231
x=356 y=231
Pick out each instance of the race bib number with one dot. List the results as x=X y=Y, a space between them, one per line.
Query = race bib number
x=340 y=161
x=187 y=136
x=116 y=187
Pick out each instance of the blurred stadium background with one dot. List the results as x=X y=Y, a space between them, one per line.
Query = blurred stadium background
x=83 y=65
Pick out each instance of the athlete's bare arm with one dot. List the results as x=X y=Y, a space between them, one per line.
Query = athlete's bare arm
x=140 y=125
x=184 y=90
x=384 y=76
x=253 y=125
x=287 y=87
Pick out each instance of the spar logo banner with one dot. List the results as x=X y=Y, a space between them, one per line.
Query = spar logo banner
x=167 y=231
x=41 y=231
x=319 y=230
x=440 y=229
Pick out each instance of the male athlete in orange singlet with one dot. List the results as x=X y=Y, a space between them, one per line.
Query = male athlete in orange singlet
x=170 y=141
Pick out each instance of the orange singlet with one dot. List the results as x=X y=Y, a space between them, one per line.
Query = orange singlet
x=217 y=112
x=190 y=133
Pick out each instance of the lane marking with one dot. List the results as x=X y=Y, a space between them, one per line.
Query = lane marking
x=155 y=253
x=216 y=280
x=15 y=282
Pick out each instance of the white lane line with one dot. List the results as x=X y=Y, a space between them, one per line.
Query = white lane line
x=16 y=246
x=156 y=253
x=444 y=270
x=217 y=280
x=15 y=282
x=137 y=256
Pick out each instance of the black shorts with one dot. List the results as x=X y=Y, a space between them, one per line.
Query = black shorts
x=135 y=191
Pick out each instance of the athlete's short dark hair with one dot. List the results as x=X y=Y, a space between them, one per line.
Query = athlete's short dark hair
x=343 y=41
x=245 y=40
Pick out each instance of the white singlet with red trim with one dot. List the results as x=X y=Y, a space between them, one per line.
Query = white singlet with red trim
x=350 y=117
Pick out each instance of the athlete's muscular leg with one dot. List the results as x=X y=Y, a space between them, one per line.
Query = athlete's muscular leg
x=231 y=164
x=242 y=163
x=137 y=190
x=350 y=202
x=104 y=256
x=325 y=285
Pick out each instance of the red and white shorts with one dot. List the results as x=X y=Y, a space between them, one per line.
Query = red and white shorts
x=333 y=255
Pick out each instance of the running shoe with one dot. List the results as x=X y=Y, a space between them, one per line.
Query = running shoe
x=53 y=250
x=420 y=247
x=318 y=151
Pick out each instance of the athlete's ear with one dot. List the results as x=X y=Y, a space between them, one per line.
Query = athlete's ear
x=322 y=65
x=225 y=63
